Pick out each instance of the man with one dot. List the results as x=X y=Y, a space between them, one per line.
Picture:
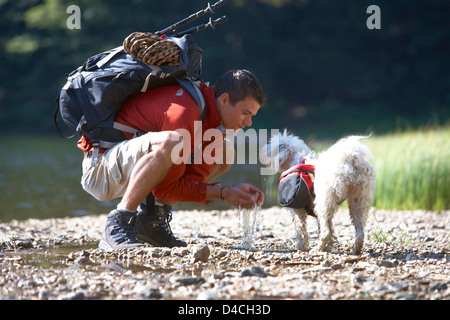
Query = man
x=143 y=165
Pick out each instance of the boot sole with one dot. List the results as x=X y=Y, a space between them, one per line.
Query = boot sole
x=154 y=243
x=103 y=245
x=148 y=240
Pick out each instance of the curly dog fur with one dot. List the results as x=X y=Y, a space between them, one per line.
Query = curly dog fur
x=341 y=173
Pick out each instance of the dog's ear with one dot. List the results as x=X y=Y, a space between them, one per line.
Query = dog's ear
x=286 y=155
x=283 y=151
x=268 y=154
x=293 y=150
x=276 y=155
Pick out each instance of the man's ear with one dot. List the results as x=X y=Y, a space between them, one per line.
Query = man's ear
x=224 y=98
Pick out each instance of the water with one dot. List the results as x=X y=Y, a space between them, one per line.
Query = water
x=46 y=257
x=40 y=178
x=250 y=222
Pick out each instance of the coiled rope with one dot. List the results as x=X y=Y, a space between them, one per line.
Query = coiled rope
x=150 y=49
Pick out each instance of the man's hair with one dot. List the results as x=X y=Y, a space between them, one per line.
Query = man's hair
x=240 y=84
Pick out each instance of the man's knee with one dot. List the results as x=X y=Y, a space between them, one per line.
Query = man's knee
x=162 y=143
x=164 y=140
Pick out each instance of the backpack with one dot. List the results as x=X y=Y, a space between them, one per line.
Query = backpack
x=296 y=186
x=95 y=92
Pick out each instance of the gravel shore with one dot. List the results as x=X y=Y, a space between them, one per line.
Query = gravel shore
x=406 y=256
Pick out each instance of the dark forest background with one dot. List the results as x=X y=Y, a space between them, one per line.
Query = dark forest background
x=324 y=72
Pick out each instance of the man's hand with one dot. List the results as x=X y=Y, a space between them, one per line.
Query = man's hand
x=243 y=195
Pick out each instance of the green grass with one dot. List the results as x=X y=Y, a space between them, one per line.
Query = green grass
x=379 y=235
x=412 y=169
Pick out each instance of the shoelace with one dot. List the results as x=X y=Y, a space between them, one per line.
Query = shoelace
x=167 y=217
x=124 y=230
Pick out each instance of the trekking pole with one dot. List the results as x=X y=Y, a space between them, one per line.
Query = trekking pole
x=192 y=17
x=211 y=24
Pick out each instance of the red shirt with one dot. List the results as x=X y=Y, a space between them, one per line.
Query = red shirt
x=170 y=108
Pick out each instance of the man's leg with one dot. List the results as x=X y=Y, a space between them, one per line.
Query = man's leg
x=153 y=220
x=152 y=156
x=150 y=169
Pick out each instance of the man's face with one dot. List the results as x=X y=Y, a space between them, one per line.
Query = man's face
x=237 y=116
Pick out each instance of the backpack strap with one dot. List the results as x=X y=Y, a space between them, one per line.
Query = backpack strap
x=191 y=88
x=293 y=170
x=125 y=128
x=114 y=52
x=194 y=91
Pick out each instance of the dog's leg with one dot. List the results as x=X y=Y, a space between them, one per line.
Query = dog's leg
x=333 y=237
x=359 y=204
x=325 y=216
x=325 y=234
x=301 y=229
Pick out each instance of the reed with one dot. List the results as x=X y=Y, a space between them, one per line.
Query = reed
x=412 y=169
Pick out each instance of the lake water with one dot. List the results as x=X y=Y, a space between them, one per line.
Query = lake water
x=40 y=178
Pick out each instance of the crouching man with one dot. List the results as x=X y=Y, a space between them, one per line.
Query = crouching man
x=149 y=164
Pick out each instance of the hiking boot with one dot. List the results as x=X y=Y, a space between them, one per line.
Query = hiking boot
x=154 y=228
x=120 y=231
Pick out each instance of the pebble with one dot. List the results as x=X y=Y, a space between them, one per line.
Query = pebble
x=201 y=252
x=189 y=281
x=438 y=287
x=81 y=261
x=387 y=264
x=254 y=271
x=58 y=259
x=148 y=292
x=357 y=280
x=73 y=296
x=206 y=296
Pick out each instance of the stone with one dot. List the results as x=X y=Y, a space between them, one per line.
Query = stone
x=386 y=264
x=73 y=296
x=189 y=281
x=253 y=272
x=81 y=261
x=201 y=252
x=148 y=292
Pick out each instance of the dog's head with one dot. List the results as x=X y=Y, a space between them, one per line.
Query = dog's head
x=283 y=151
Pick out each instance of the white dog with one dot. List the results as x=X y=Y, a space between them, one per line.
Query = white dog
x=341 y=173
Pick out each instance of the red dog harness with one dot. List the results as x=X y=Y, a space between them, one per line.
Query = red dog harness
x=296 y=186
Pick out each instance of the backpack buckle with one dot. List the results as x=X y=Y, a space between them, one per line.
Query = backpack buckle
x=95 y=153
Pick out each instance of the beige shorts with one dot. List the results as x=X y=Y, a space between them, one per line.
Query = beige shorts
x=109 y=178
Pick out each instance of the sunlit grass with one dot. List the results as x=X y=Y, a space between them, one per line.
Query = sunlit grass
x=412 y=169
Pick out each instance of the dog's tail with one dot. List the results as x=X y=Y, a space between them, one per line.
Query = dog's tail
x=353 y=145
x=357 y=138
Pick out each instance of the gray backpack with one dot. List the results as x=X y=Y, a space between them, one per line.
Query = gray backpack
x=95 y=92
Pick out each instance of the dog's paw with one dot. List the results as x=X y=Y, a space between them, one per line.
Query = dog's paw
x=317 y=250
x=356 y=251
x=304 y=249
